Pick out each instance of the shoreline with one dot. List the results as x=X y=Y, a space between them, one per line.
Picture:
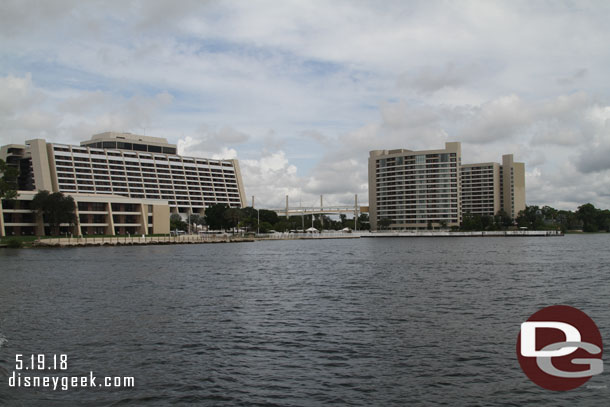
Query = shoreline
x=494 y=233
x=195 y=239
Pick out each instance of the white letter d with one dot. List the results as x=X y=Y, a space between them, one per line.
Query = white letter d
x=528 y=338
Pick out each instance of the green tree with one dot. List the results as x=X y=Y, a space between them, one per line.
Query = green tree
x=384 y=223
x=589 y=215
x=471 y=222
x=268 y=216
x=343 y=220
x=250 y=218
x=487 y=222
x=56 y=208
x=282 y=225
x=195 y=219
x=214 y=216
x=8 y=181
x=265 y=227
x=549 y=214
x=232 y=216
x=363 y=222
x=531 y=218
x=568 y=220
x=503 y=219
x=176 y=222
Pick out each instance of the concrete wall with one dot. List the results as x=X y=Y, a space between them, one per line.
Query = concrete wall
x=161 y=215
x=240 y=183
x=519 y=187
x=40 y=165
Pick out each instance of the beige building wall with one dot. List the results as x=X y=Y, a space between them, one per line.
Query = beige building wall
x=519 y=187
x=52 y=168
x=40 y=165
x=513 y=186
x=94 y=216
x=240 y=183
x=161 y=215
x=110 y=230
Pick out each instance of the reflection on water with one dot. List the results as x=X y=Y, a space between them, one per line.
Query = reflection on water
x=360 y=322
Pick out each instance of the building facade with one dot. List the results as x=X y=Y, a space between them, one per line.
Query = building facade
x=95 y=215
x=488 y=188
x=481 y=189
x=125 y=169
x=512 y=185
x=410 y=190
x=414 y=189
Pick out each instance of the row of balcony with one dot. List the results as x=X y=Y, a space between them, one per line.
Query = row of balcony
x=144 y=171
x=71 y=152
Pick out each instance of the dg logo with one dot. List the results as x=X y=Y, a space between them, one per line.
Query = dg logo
x=560 y=348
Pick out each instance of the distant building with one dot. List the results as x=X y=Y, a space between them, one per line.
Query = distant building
x=488 y=188
x=411 y=190
x=113 y=171
x=481 y=189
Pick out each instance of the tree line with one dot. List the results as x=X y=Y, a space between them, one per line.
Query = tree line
x=587 y=218
x=223 y=217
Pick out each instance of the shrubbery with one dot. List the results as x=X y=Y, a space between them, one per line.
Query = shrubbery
x=14 y=243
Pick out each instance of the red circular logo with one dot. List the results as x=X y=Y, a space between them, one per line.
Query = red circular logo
x=560 y=348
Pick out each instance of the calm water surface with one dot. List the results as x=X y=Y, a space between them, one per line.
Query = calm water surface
x=426 y=321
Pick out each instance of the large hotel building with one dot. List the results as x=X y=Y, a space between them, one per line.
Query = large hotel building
x=121 y=183
x=411 y=190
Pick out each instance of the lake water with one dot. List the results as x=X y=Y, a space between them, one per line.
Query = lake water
x=387 y=321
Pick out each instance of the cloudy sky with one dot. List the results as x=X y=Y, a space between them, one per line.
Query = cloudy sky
x=300 y=91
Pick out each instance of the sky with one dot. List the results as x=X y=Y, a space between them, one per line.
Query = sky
x=301 y=91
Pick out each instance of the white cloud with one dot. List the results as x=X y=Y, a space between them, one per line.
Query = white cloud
x=17 y=94
x=190 y=146
x=277 y=83
x=28 y=111
x=429 y=79
x=209 y=141
x=270 y=178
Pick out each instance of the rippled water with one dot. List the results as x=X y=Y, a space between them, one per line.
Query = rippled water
x=411 y=321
